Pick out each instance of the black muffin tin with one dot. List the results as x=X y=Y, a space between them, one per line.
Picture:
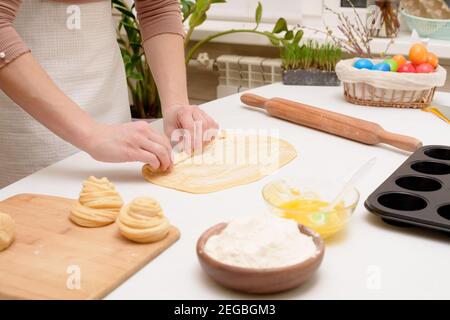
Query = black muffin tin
x=418 y=192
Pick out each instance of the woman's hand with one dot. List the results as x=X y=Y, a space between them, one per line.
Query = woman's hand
x=166 y=60
x=133 y=141
x=194 y=120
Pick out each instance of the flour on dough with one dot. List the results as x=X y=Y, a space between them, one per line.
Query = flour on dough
x=228 y=162
x=7 y=230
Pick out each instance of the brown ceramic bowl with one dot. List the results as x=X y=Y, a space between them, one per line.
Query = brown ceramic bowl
x=259 y=280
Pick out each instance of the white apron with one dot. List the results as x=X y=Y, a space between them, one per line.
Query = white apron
x=76 y=45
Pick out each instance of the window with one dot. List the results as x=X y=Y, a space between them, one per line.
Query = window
x=244 y=10
x=294 y=11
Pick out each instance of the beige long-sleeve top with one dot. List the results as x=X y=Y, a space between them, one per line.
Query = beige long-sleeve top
x=155 y=17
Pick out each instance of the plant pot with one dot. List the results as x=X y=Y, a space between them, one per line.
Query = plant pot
x=136 y=116
x=303 y=77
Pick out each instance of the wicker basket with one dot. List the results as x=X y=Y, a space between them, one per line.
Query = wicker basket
x=379 y=97
x=388 y=89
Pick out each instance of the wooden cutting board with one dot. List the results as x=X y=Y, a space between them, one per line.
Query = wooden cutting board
x=52 y=258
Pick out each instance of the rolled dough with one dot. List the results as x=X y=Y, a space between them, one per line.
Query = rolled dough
x=228 y=162
x=98 y=205
x=143 y=221
x=7 y=227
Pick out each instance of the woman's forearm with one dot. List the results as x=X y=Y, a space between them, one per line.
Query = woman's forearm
x=25 y=82
x=165 y=53
x=28 y=85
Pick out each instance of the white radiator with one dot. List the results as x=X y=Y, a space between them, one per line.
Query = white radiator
x=239 y=73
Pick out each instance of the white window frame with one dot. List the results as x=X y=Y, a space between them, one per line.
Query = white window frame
x=294 y=11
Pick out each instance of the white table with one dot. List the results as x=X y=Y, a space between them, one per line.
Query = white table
x=368 y=260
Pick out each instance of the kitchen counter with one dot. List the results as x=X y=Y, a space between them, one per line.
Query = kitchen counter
x=368 y=260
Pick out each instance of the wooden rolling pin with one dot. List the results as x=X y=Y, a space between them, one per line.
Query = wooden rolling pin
x=331 y=122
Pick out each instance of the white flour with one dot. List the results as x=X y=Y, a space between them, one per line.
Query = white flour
x=261 y=242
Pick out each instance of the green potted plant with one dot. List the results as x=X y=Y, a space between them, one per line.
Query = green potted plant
x=142 y=87
x=143 y=91
x=310 y=63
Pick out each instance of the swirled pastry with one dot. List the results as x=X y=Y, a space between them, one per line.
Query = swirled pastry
x=143 y=221
x=98 y=204
x=7 y=229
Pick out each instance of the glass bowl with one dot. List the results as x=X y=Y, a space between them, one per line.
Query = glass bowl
x=306 y=201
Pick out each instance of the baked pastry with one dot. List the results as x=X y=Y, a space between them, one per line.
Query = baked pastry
x=143 y=221
x=98 y=205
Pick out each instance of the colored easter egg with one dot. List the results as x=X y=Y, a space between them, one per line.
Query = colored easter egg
x=424 y=68
x=392 y=64
x=383 y=66
x=418 y=54
x=401 y=60
x=363 y=64
x=433 y=59
x=407 y=68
